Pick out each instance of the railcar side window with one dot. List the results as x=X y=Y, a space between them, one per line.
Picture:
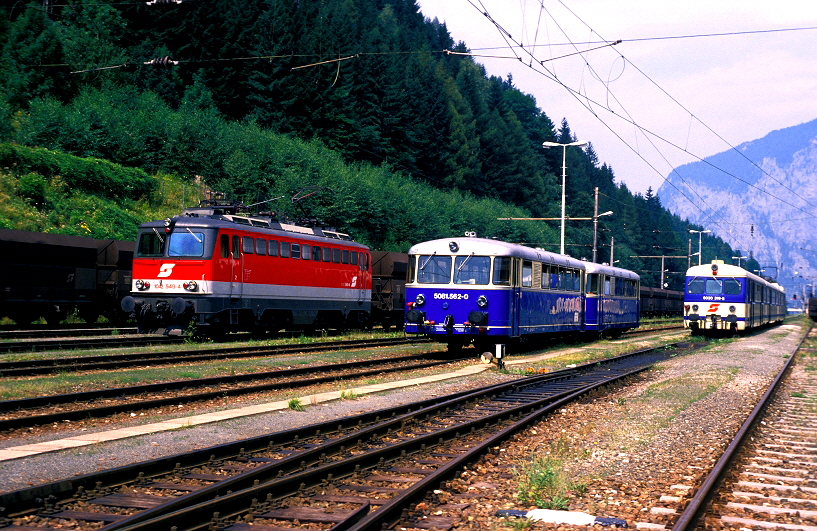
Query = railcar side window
x=353 y=258
x=607 y=283
x=336 y=256
x=593 y=283
x=344 y=256
x=327 y=254
x=411 y=268
x=285 y=246
x=434 y=269
x=316 y=253
x=306 y=252
x=296 y=251
x=260 y=246
x=731 y=286
x=364 y=262
x=695 y=286
x=151 y=244
x=502 y=270
x=273 y=247
x=472 y=269
x=527 y=273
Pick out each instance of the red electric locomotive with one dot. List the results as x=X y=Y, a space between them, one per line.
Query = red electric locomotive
x=225 y=270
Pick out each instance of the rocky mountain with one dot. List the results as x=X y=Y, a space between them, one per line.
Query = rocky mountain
x=760 y=197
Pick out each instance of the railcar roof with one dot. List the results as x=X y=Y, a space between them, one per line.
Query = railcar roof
x=592 y=267
x=486 y=247
x=729 y=270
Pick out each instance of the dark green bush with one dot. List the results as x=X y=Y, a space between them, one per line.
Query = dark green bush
x=95 y=176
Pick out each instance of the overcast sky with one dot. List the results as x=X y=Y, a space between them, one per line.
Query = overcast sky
x=740 y=87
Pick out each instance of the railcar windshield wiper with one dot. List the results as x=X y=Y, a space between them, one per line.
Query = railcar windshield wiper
x=464 y=262
x=159 y=234
x=427 y=261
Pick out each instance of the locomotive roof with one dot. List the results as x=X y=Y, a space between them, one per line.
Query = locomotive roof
x=485 y=247
x=729 y=270
x=260 y=225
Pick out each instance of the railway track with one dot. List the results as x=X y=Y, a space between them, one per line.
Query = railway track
x=66 y=331
x=767 y=477
x=360 y=473
x=73 y=343
x=134 y=359
x=26 y=412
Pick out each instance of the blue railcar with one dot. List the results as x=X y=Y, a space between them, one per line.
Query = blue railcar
x=486 y=292
x=720 y=297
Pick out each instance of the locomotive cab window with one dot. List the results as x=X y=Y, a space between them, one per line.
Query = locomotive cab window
x=247 y=245
x=472 y=269
x=151 y=244
x=433 y=269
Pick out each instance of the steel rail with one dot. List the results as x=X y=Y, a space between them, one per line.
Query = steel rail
x=116 y=361
x=694 y=510
x=330 y=374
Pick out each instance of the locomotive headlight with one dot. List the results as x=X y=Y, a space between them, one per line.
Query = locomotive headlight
x=142 y=285
x=732 y=309
x=420 y=300
x=482 y=301
x=694 y=307
x=191 y=286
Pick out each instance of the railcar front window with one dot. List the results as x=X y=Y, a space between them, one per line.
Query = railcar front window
x=151 y=244
x=713 y=286
x=472 y=269
x=502 y=271
x=696 y=286
x=731 y=286
x=434 y=269
x=186 y=244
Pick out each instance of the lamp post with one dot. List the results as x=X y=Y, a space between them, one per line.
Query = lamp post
x=564 y=171
x=700 y=237
x=739 y=258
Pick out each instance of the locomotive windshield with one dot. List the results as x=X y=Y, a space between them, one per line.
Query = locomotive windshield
x=714 y=286
x=187 y=243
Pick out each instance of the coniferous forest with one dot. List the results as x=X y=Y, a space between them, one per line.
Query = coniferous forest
x=261 y=98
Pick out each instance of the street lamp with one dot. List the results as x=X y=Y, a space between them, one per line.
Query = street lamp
x=700 y=237
x=564 y=171
x=739 y=258
x=596 y=230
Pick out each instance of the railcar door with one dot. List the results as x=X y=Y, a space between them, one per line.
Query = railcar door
x=516 y=290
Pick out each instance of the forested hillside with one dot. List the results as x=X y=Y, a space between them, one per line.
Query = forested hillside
x=260 y=98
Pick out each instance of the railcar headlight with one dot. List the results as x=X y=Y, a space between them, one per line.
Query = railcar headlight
x=482 y=301
x=191 y=286
x=732 y=309
x=694 y=307
x=420 y=300
x=142 y=285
